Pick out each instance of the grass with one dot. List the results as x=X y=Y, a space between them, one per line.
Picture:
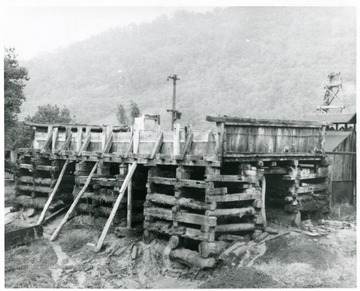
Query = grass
x=343 y=212
x=29 y=266
x=73 y=240
x=338 y=274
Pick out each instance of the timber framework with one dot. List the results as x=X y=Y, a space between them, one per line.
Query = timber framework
x=193 y=187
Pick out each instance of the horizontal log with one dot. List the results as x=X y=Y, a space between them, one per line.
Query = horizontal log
x=233 y=197
x=25 y=166
x=195 y=184
x=233 y=237
x=305 y=176
x=217 y=191
x=47 y=168
x=163 y=180
x=37 y=203
x=184 y=202
x=276 y=171
x=169 y=229
x=25 y=179
x=235 y=227
x=207 y=249
x=310 y=188
x=224 y=256
x=231 y=178
x=179 y=216
x=192 y=258
x=32 y=188
x=240 y=212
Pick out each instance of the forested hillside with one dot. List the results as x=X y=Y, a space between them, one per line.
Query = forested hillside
x=250 y=62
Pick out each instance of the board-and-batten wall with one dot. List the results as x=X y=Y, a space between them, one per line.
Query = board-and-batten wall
x=343 y=171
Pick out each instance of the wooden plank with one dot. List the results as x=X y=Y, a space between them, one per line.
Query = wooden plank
x=130 y=148
x=47 y=168
x=49 y=138
x=277 y=122
x=67 y=142
x=32 y=188
x=116 y=205
x=233 y=197
x=176 y=141
x=195 y=184
x=235 y=227
x=195 y=218
x=217 y=191
x=157 y=146
x=54 y=139
x=158 y=212
x=183 y=202
x=164 y=181
x=73 y=205
x=129 y=202
x=85 y=144
x=48 y=202
x=243 y=211
x=230 y=178
x=108 y=144
x=25 y=166
x=305 y=176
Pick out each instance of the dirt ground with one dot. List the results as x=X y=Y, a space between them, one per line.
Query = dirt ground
x=295 y=260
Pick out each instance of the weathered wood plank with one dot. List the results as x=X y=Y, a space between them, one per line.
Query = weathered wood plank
x=235 y=227
x=233 y=197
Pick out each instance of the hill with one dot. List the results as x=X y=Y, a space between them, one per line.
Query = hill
x=250 y=62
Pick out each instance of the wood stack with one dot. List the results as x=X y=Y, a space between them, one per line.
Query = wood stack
x=36 y=178
x=100 y=196
x=200 y=204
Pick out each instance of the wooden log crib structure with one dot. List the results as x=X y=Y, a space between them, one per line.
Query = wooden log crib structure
x=190 y=186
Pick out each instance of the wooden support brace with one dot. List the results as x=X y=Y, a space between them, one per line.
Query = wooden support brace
x=116 y=206
x=157 y=146
x=85 y=145
x=108 y=144
x=73 y=205
x=130 y=147
x=129 y=203
x=67 y=141
x=43 y=213
x=187 y=146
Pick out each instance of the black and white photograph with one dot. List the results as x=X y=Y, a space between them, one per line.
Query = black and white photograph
x=179 y=145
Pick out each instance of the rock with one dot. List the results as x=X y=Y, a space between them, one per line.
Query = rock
x=297 y=219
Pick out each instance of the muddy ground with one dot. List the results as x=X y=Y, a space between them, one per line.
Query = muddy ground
x=295 y=260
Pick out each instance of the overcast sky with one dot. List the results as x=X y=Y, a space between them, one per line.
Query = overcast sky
x=32 y=30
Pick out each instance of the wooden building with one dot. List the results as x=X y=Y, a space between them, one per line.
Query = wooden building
x=340 y=145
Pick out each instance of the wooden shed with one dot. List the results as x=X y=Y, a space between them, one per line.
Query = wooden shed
x=340 y=145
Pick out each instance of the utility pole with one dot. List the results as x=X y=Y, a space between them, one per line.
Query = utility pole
x=174 y=113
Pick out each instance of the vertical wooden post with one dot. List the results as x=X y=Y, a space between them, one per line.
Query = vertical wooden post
x=54 y=139
x=78 y=139
x=176 y=145
x=129 y=203
x=322 y=138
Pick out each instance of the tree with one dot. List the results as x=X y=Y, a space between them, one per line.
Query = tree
x=121 y=115
x=14 y=83
x=134 y=111
x=51 y=114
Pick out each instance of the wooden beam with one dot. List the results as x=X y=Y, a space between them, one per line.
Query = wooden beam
x=157 y=145
x=116 y=205
x=85 y=144
x=54 y=139
x=48 y=202
x=130 y=147
x=73 y=205
x=129 y=202
x=49 y=138
x=187 y=146
x=108 y=144
x=67 y=141
x=266 y=122
x=235 y=227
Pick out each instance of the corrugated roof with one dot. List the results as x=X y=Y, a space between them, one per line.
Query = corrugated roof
x=333 y=138
x=334 y=118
